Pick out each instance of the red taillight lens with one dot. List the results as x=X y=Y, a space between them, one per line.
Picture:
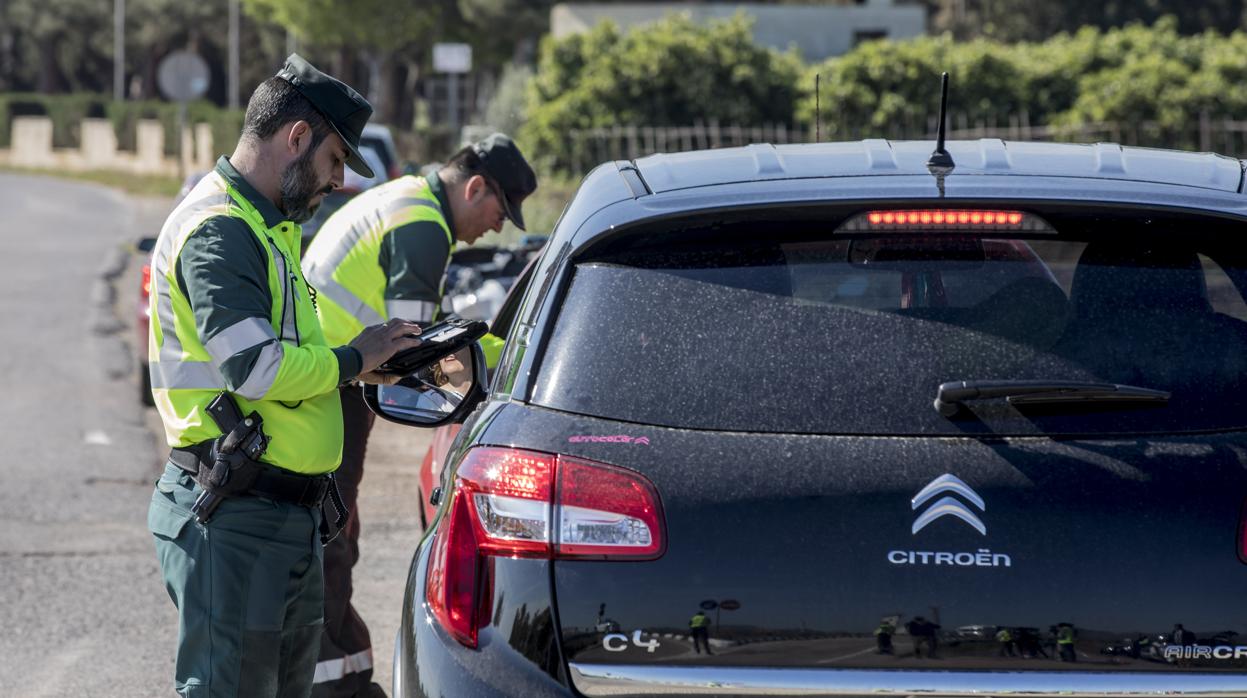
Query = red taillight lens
x=451 y=586
x=147 y=281
x=606 y=512
x=509 y=492
x=515 y=503
x=942 y=220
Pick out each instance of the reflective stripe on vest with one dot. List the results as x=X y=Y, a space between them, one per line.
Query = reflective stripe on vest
x=342 y=262
x=306 y=436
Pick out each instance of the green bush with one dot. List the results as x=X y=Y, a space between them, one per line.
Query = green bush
x=670 y=73
x=889 y=89
x=506 y=110
x=1127 y=77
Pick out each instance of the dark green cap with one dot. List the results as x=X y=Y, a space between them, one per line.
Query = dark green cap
x=504 y=163
x=342 y=106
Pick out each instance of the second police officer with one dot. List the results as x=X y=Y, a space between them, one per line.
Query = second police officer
x=384 y=255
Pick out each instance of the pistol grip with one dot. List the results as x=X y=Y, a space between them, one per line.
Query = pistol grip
x=205 y=505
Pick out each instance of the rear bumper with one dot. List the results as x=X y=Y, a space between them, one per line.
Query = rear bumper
x=607 y=680
x=429 y=663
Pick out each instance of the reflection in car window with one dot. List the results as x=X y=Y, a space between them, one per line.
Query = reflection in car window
x=1221 y=292
x=855 y=335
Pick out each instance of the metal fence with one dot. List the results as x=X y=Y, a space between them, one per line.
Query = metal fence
x=588 y=147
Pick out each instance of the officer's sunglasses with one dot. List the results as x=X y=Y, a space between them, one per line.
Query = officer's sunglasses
x=497 y=192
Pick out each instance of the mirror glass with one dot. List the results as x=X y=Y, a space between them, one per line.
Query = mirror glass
x=428 y=395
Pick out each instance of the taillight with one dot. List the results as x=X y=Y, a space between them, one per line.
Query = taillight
x=604 y=513
x=513 y=503
x=147 y=280
x=944 y=220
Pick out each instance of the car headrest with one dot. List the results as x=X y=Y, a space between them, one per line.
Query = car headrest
x=1116 y=276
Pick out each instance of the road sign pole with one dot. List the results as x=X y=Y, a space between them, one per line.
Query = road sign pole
x=119 y=50
x=181 y=141
x=233 y=53
x=452 y=106
x=182 y=76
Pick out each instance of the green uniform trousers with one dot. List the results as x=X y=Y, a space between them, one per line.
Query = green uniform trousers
x=248 y=589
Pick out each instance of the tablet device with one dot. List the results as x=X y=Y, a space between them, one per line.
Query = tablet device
x=436 y=341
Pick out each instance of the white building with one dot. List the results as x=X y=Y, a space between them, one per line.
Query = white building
x=818 y=31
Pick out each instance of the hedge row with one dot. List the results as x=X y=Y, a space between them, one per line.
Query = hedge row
x=1124 y=76
x=68 y=111
x=677 y=73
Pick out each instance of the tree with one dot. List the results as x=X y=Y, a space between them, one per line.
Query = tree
x=892 y=89
x=385 y=32
x=673 y=72
x=396 y=38
x=60 y=47
x=1027 y=20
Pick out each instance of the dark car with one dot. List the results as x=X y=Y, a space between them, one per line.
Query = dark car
x=812 y=386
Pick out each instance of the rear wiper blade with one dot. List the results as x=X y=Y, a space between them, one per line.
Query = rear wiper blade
x=1033 y=392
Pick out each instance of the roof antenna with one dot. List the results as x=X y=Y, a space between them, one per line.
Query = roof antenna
x=940 y=161
x=818 y=111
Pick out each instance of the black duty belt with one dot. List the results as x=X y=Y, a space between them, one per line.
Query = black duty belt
x=271 y=482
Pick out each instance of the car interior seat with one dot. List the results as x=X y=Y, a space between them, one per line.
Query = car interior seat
x=1140 y=315
x=1031 y=311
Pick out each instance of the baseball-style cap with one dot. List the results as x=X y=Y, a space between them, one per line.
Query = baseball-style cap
x=504 y=163
x=344 y=108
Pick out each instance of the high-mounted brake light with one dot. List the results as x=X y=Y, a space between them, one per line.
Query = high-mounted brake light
x=510 y=502
x=944 y=220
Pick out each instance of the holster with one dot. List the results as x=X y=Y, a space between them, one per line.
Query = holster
x=230 y=465
x=231 y=471
x=232 y=462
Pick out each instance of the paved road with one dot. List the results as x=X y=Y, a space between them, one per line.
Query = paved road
x=84 y=609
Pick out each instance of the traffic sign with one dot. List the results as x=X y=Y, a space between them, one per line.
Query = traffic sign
x=183 y=76
x=452 y=58
x=729 y=604
x=709 y=605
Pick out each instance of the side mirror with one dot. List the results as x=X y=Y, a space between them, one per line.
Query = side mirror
x=444 y=391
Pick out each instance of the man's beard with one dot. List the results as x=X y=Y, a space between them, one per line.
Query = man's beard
x=299 y=184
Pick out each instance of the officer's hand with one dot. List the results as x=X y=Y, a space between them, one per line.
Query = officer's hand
x=378 y=343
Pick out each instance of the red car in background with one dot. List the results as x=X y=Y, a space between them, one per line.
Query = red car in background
x=142 y=318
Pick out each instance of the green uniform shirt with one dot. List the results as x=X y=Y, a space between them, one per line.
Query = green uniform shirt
x=223 y=270
x=232 y=313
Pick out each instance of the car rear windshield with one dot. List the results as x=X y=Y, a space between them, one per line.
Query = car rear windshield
x=832 y=334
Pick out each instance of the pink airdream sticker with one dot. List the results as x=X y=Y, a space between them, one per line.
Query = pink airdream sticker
x=615 y=439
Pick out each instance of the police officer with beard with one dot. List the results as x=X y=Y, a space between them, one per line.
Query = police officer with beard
x=240 y=547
